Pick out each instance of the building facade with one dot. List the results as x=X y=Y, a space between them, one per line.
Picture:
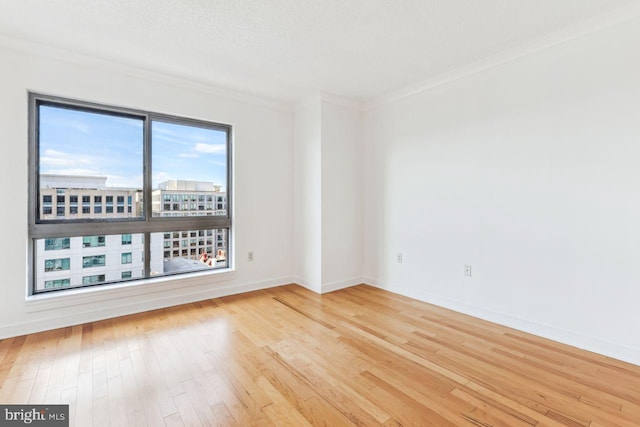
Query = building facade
x=87 y=260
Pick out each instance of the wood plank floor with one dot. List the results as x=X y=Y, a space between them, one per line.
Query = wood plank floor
x=286 y=356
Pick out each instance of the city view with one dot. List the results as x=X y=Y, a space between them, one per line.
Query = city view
x=91 y=170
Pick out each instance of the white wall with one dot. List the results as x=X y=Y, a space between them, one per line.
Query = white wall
x=529 y=172
x=341 y=196
x=308 y=188
x=263 y=156
x=328 y=194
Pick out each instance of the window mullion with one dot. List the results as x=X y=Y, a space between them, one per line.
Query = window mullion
x=147 y=198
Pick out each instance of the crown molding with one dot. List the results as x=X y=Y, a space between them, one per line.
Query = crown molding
x=22 y=46
x=328 y=98
x=341 y=101
x=618 y=16
x=307 y=102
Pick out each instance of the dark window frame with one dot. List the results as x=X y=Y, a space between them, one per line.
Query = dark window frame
x=41 y=228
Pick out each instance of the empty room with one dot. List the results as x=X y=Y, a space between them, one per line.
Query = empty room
x=325 y=213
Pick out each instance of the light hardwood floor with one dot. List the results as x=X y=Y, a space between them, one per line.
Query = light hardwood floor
x=286 y=356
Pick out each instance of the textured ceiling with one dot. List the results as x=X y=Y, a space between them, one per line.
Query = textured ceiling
x=289 y=49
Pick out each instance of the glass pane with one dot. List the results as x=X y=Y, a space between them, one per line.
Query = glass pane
x=84 y=156
x=70 y=262
x=197 y=254
x=189 y=170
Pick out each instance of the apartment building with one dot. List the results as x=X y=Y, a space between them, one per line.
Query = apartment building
x=88 y=260
x=82 y=197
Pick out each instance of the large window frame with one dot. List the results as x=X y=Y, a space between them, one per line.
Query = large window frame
x=147 y=223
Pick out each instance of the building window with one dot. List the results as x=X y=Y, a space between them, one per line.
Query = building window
x=59 y=283
x=57 y=244
x=91 y=280
x=57 y=264
x=126 y=275
x=93 y=261
x=191 y=156
x=93 y=241
x=126 y=258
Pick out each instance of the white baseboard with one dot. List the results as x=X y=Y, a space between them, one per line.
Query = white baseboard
x=151 y=301
x=596 y=345
x=327 y=287
x=307 y=284
x=341 y=284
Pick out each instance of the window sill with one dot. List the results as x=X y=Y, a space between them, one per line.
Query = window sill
x=97 y=294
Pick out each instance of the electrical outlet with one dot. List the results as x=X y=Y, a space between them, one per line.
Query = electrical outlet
x=467 y=270
x=399 y=258
x=250 y=256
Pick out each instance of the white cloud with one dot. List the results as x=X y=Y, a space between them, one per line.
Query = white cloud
x=57 y=159
x=123 y=181
x=188 y=155
x=210 y=148
x=76 y=171
x=161 y=177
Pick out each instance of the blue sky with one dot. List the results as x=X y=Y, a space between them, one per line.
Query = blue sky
x=83 y=143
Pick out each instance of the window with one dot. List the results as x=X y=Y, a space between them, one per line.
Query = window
x=57 y=244
x=90 y=280
x=57 y=264
x=59 y=283
x=93 y=241
x=93 y=261
x=160 y=167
